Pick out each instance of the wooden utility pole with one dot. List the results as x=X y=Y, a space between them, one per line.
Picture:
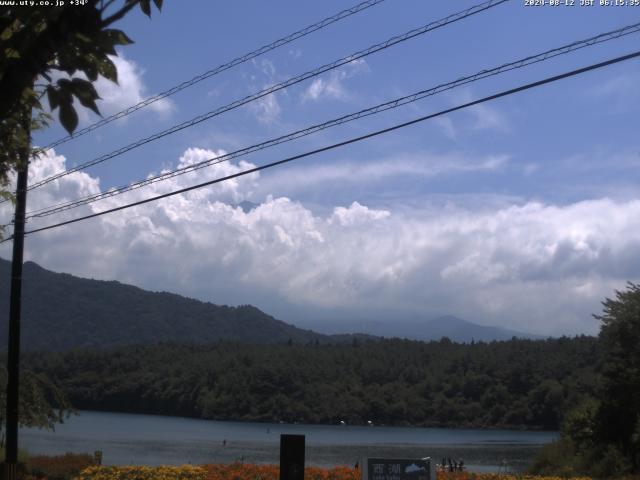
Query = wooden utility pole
x=13 y=357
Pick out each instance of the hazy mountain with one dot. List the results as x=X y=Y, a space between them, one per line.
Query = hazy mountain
x=464 y=331
x=449 y=326
x=61 y=311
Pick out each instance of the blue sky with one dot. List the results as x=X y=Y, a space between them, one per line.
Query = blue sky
x=523 y=212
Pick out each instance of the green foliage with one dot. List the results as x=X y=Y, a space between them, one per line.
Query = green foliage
x=618 y=417
x=42 y=403
x=601 y=437
x=514 y=384
x=556 y=459
x=580 y=424
x=38 y=44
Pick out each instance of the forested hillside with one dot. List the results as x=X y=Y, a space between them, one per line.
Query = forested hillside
x=60 y=311
x=515 y=384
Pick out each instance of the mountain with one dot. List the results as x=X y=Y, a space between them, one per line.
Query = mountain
x=60 y=311
x=454 y=328
x=463 y=331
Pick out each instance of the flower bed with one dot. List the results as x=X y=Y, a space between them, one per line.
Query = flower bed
x=59 y=467
x=238 y=471
x=496 y=476
x=184 y=472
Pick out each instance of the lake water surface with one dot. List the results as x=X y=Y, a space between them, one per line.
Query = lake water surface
x=154 y=440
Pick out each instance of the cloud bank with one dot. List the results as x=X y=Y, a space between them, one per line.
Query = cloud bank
x=532 y=266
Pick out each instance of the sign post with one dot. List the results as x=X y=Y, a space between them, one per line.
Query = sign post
x=291 y=457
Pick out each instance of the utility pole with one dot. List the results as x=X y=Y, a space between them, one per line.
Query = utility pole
x=13 y=357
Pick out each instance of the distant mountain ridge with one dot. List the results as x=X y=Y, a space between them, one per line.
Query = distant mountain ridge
x=454 y=328
x=464 y=331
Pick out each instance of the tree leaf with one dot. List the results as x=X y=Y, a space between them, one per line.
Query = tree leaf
x=108 y=69
x=116 y=37
x=145 y=6
x=158 y=4
x=68 y=117
x=90 y=67
x=64 y=91
x=86 y=93
x=84 y=87
x=64 y=84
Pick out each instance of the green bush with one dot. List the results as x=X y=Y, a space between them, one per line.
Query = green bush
x=556 y=459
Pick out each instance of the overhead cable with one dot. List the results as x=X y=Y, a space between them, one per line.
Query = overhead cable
x=287 y=83
x=532 y=59
x=504 y=93
x=219 y=69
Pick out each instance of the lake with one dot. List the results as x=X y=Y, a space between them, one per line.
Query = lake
x=154 y=440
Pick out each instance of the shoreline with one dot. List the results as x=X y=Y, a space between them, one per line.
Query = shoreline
x=494 y=428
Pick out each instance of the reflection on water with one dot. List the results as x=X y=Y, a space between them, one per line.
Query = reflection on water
x=155 y=440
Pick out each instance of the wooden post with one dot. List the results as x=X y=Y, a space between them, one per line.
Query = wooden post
x=291 y=457
x=13 y=356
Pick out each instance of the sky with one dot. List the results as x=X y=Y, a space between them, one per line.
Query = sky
x=523 y=212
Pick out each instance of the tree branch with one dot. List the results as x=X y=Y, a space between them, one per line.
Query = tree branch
x=119 y=14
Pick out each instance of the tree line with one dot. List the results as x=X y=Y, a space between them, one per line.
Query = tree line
x=514 y=384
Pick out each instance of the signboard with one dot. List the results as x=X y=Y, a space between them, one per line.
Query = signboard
x=398 y=469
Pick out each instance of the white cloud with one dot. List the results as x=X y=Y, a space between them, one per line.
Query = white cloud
x=483 y=116
x=535 y=267
x=267 y=67
x=356 y=215
x=267 y=109
x=333 y=85
x=488 y=118
x=426 y=165
x=129 y=90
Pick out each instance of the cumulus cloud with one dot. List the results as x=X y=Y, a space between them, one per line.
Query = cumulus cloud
x=533 y=266
x=129 y=90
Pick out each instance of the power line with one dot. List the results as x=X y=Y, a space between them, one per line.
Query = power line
x=540 y=57
x=350 y=141
x=287 y=83
x=219 y=69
